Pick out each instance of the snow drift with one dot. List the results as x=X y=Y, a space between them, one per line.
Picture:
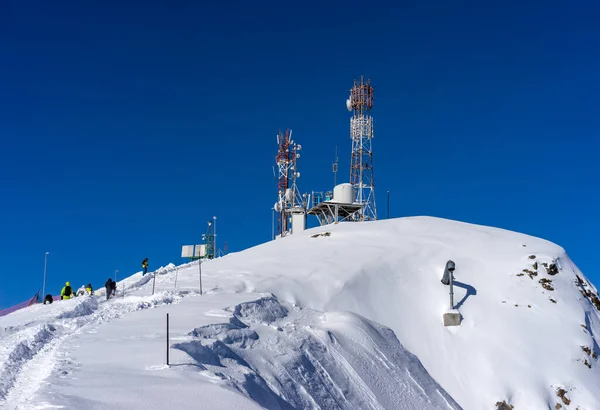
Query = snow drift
x=291 y=358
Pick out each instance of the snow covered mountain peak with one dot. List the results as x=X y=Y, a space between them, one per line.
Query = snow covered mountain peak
x=529 y=316
x=342 y=316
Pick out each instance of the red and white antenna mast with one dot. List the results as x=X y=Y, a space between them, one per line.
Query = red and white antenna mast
x=289 y=201
x=360 y=104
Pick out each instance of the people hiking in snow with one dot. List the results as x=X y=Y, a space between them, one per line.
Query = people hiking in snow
x=89 y=289
x=109 y=288
x=113 y=287
x=145 y=266
x=49 y=299
x=66 y=291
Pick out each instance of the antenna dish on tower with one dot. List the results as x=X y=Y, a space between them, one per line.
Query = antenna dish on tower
x=349 y=104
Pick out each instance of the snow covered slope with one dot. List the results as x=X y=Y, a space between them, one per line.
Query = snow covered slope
x=528 y=332
x=307 y=321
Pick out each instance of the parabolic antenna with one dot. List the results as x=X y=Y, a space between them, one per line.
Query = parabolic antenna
x=349 y=104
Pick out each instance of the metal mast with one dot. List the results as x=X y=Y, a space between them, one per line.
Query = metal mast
x=209 y=238
x=289 y=199
x=360 y=104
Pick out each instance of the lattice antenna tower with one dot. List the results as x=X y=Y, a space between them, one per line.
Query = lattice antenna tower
x=289 y=197
x=360 y=104
x=209 y=238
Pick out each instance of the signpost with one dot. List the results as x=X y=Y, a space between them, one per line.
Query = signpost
x=194 y=252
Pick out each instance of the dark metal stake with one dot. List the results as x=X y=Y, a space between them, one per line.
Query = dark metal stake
x=451 y=290
x=167 y=339
x=200 y=273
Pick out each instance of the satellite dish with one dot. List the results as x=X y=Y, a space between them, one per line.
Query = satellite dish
x=349 y=104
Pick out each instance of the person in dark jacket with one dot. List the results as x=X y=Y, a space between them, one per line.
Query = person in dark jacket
x=145 y=266
x=113 y=288
x=108 y=286
x=49 y=299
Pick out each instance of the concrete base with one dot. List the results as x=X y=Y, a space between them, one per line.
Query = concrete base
x=452 y=319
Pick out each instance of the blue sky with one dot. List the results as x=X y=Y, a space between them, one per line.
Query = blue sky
x=126 y=127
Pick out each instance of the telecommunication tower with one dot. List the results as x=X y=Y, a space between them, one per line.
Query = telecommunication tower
x=290 y=204
x=209 y=238
x=360 y=104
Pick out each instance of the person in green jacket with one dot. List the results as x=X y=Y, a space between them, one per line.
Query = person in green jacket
x=66 y=291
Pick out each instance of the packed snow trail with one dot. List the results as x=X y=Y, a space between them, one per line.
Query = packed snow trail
x=28 y=351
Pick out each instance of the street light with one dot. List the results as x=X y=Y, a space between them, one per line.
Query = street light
x=45 y=263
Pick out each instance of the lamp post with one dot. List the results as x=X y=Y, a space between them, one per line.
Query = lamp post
x=45 y=263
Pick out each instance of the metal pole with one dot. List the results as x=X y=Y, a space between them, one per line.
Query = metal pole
x=167 y=339
x=45 y=263
x=116 y=271
x=388 y=204
x=215 y=236
x=153 y=281
x=451 y=290
x=200 y=273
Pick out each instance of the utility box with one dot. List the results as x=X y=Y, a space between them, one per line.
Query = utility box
x=452 y=319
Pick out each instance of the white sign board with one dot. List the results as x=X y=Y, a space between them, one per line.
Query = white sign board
x=187 y=251
x=200 y=251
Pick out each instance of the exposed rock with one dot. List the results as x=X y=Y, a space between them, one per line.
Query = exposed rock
x=562 y=394
x=531 y=256
x=552 y=269
x=503 y=405
x=593 y=298
x=321 y=234
x=546 y=284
